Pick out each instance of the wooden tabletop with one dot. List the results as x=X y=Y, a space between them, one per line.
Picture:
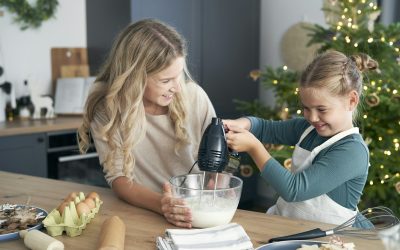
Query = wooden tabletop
x=29 y=126
x=142 y=226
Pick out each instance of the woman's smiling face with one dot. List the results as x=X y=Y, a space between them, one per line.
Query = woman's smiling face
x=162 y=86
x=329 y=114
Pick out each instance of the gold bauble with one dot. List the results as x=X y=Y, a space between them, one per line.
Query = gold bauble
x=295 y=52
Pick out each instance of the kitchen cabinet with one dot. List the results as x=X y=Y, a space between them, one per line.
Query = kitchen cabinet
x=24 y=154
x=222 y=37
x=104 y=20
x=48 y=148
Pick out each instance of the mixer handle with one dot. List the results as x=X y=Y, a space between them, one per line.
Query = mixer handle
x=311 y=234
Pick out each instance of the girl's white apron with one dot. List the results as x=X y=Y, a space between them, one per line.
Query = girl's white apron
x=321 y=208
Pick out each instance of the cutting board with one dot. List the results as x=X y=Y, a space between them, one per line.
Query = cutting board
x=68 y=71
x=68 y=62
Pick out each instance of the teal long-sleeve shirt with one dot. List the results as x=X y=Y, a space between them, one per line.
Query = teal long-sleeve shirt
x=340 y=170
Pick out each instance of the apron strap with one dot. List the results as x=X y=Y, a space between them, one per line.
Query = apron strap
x=305 y=133
x=335 y=138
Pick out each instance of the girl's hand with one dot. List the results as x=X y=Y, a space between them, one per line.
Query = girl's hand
x=240 y=123
x=240 y=139
x=174 y=209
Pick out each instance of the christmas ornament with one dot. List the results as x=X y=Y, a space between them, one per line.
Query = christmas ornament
x=368 y=140
x=288 y=163
x=277 y=147
x=255 y=74
x=372 y=100
x=397 y=186
x=296 y=53
x=371 y=20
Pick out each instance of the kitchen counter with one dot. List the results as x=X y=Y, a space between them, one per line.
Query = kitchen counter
x=142 y=226
x=29 y=126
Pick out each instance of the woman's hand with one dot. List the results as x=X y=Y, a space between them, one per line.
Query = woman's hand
x=174 y=209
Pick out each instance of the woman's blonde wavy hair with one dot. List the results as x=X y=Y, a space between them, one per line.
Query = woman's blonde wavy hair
x=140 y=50
x=338 y=73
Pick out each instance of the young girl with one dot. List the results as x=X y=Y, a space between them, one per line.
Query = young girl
x=330 y=160
x=146 y=117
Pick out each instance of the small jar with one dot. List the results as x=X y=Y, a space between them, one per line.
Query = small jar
x=24 y=113
x=9 y=112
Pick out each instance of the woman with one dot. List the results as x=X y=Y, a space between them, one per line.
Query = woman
x=146 y=117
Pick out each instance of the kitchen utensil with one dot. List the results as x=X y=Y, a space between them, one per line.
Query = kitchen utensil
x=77 y=57
x=213 y=149
x=34 y=239
x=112 y=235
x=290 y=244
x=212 y=197
x=214 y=154
x=378 y=218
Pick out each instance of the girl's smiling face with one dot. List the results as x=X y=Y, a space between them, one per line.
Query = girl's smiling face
x=162 y=86
x=329 y=114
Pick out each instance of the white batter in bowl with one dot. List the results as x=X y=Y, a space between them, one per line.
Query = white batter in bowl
x=213 y=198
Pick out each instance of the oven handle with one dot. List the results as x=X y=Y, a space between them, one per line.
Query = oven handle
x=77 y=157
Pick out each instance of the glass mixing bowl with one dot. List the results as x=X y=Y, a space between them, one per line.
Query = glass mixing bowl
x=212 y=197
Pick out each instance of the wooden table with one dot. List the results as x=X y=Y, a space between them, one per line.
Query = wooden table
x=142 y=226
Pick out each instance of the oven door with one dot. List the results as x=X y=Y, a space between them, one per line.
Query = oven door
x=70 y=165
x=66 y=163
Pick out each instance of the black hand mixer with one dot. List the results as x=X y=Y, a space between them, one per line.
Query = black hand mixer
x=214 y=154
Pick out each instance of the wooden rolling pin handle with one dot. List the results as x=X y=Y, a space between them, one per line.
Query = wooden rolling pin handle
x=112 y=235
x=36 y=240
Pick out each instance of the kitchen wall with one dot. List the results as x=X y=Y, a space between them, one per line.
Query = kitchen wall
x=276 y=18
x=26 y=53
x=390 y=11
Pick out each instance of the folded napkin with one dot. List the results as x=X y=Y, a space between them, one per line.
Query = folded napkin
x=226 y=237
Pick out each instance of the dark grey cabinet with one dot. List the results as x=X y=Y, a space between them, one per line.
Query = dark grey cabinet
x=223 y=44
x=222 y=36
x=24 y=154
x=104 y=20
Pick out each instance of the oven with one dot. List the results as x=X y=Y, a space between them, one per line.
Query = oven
x=64 y=162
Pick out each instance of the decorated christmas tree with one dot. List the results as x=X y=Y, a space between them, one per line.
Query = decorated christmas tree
x=352 y=29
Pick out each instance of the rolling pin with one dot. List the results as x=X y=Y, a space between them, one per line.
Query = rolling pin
x=112 y=235
x=36 y=240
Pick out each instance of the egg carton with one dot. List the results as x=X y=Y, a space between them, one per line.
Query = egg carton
x=70 y=221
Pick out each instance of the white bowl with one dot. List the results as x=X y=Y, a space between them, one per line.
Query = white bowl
x=212 y=197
